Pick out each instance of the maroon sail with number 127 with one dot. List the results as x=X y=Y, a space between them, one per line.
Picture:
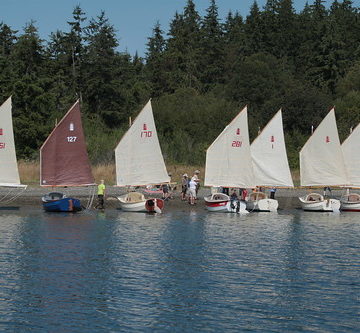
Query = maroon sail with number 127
x=63 y=156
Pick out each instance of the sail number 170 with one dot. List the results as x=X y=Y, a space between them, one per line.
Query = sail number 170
x=71 y=138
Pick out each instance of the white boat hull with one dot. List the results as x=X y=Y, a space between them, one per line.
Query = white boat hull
x=350 y=202
x=325 y=205
x=350 y=206
x=132 y=206
x=262 y=205
x=225 y=205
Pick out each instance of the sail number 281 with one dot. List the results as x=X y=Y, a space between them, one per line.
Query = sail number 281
x=71 y=138
x=236 y=143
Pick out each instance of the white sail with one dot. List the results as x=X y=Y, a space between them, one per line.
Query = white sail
x=321 y=158
x=268 y=152
x=9 y=174
x=351 y=151
x=228 y=159
x=138 y=156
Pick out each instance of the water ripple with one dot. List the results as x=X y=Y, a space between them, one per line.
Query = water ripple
x=179 y=272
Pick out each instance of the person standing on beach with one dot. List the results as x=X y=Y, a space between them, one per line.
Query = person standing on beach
x=184 y=186
x=196 y=179
x=101 y=195
x=165 y=191
x=192 y=191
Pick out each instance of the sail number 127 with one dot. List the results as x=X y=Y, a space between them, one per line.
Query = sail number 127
x=71 y=138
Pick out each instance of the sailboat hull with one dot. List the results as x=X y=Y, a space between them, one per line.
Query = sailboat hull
x=350 y=206
x=323 y=205
x=262 y=205
x=221 y=203
x=350 y=203
x=141 y=205
x=63 y=205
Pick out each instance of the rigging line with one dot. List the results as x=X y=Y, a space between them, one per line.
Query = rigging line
x=91 y=196
x=14 y=196
x=6 y=195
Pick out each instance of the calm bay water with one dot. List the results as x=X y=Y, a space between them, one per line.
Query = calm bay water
x=181 y=271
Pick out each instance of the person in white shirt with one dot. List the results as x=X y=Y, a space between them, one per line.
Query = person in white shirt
x=192 y=191
x=196 y=179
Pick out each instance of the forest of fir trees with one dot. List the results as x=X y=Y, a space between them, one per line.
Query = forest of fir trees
x=200 y=74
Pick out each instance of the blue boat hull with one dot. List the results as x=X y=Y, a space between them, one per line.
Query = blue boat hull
x=63 y=205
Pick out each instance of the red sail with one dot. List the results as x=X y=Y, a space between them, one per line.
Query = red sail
x=63 y=156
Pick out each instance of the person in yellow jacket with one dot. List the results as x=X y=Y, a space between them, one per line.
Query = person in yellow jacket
x=101 y=195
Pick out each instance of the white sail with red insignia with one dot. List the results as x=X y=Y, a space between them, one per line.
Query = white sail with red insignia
x=321 y=158
x=228 y=159
x=138 y=156
x=351 y=151
x=9 y=174
x=269 y=157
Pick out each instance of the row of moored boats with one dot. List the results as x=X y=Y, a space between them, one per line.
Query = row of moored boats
x=231 y=162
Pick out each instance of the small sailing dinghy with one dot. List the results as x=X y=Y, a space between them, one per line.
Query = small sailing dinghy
x=270 y=165
x=228 y=164
x=64 y=162
x=351 y=151
x=322 y=165
x=9 y=173
x=139 y=162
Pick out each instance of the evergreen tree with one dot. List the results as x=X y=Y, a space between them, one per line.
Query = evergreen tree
x=101 y=72
x=7 y=39
x=183 y=49
x=74 y=46
x=288 y=34
x=32 y=99
x=155 y=61
x=234 y=40
x=212 y=42
x=254 y=30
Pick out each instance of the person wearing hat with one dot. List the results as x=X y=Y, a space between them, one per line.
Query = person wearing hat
x=184 y=186
x=196 y=179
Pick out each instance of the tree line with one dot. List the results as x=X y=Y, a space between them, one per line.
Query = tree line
x=199 y=74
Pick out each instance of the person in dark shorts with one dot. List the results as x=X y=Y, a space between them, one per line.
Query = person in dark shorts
x=184 y=186
x=165 y=191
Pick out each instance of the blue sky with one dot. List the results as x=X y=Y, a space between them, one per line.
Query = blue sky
x=133 y=19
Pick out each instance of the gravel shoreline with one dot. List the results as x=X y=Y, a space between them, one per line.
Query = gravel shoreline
x=288 y=198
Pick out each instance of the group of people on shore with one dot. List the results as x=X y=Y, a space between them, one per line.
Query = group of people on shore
x=190 y=187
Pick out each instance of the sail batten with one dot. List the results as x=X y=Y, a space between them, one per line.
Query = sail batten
x=9 y=173
x=138 y=157
x=321 y=158
x=63 y=156
x=269 y=157
x=228 y=159
x=351 y=152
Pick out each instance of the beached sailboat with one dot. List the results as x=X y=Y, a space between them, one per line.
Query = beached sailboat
x=64 y=162
x=270 y=164
x=321 y=165
x=228 y=164
x=139 y=162
x=9 y=174
x=351 y=150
